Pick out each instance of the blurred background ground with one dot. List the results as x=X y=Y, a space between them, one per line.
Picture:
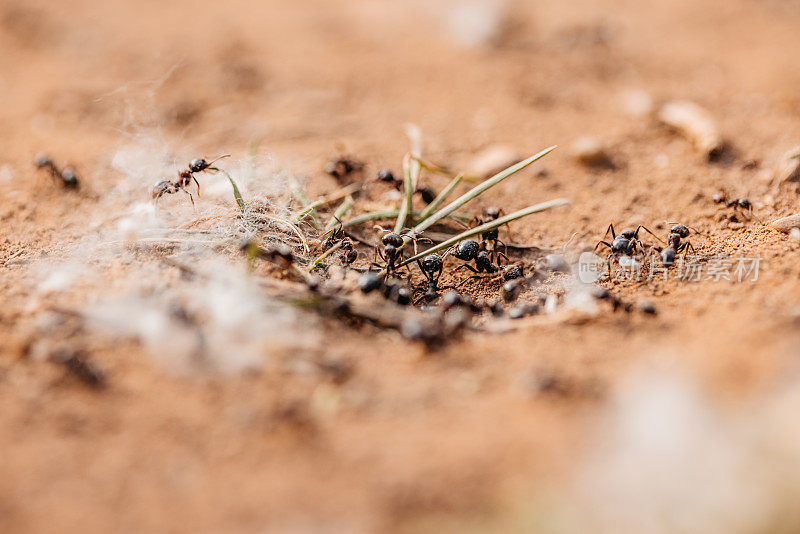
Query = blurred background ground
x=417 y=442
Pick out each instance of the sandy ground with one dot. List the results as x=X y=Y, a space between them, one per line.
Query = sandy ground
x=412 y=440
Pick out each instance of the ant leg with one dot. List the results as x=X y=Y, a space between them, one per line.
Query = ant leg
x=610 y=229
x=188 y=193
x=499 y=254
x=198 y=186
x=439 y=275
x=466 y=266
x=465 y=280
x=642 y=227
x=601 y=243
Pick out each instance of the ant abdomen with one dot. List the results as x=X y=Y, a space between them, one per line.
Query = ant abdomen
x=466 y=250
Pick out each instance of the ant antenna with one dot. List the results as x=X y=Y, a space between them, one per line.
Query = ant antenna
x=219 y=158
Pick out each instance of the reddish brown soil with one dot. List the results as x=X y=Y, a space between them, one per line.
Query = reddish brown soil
x=455 y=432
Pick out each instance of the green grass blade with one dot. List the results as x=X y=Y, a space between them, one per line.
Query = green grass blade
x=300 y=195
x=340 y=212
x=440 y=198
x=489 y=226
x=336 y=195
x=239 y=200
x=408 y=194
x=475 y=192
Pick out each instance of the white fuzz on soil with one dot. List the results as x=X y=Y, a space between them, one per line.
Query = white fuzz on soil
x=473 y=23
x=220 y=321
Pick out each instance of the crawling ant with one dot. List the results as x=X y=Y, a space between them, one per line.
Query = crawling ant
x=337 y=236
x=738 y=204
x=469 y=250
x=185 y=178
x=627 y=243
x=67 y=176
x=675 y=246
x=392 y=252
x=279 y=254
x=491 y=238
x=432 y=267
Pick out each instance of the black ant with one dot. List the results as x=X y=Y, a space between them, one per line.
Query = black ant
x=491 y=238
x=185 y=178
x=626 y=243
x=432 y=267
x=469 y=250
x=337 y=236
x=739 y=204
x=392 y=251
x=675 y=247
x=67 y=177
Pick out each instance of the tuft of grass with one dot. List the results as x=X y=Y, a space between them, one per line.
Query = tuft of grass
x=299 y=193
x=489 y=226
x=239 y=200
x=336 y=195
x=474 y=193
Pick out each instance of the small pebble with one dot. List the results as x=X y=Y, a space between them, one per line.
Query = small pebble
x=788 y=169
x=785 y=224
x=589 y=151
x=694 y=123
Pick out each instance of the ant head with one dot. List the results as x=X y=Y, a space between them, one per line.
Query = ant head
x=492 y=212
x=629 y=233
x=197 y=165
x=200 y=164
x=744 y=204
x=466 y=250
x=491 y=235
x=719 y=198
x=392 y=239
x=680 y=229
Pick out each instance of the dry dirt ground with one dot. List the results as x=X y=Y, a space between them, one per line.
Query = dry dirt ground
x=412 y=440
